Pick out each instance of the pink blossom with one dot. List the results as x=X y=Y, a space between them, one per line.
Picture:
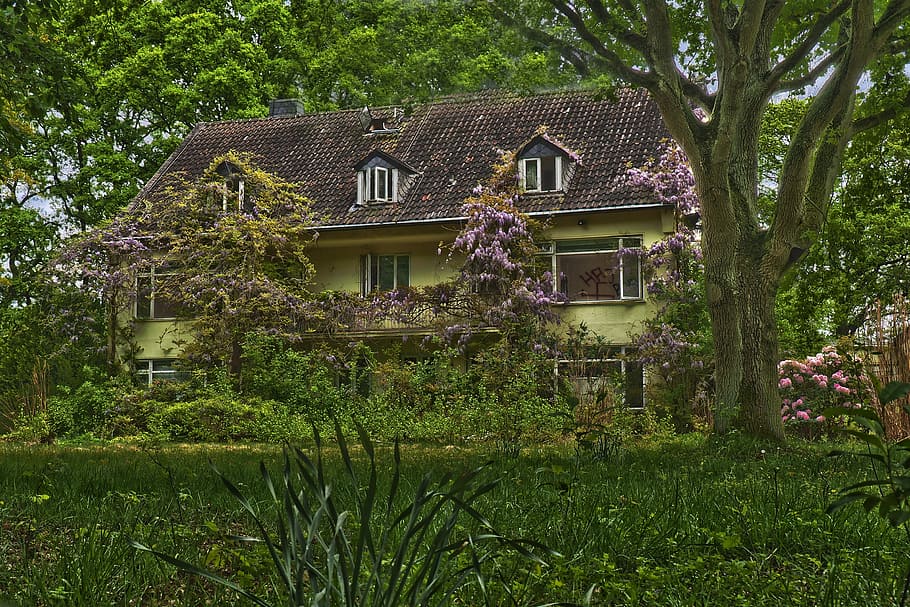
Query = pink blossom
x=841 y=389
x=820 y=418
x=785 y=382
x=802 y=415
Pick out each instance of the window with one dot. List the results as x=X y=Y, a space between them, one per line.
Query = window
x=593 y=269
x=385 y=272
x=378 y=184
x=234 y=188
x=596 y=382
x=542 y=174
x=235 y=195
x=152 y=370
x=150 y=303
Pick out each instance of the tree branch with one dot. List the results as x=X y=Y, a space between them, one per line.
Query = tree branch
x=578 y=58
x=715 y=12
x=895 y=13
x=632 y=39
x=885 y=115
x=748 y=26
x=813 y=74
x=611 y=59
x=802 y=50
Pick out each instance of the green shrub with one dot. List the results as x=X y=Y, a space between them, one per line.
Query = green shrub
x=313 y=383
x=215 y=418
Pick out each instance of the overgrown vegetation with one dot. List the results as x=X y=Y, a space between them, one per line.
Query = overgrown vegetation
x=731 y=522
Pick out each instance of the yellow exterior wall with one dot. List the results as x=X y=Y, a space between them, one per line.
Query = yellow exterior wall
x=336 y=255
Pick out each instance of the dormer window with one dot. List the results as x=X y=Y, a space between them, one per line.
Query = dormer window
x=543 y=166
x=541 y=174
x=382 y=178
x=379 y=184
x=234 y=197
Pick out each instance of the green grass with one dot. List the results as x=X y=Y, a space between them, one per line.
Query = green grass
x=682 y=521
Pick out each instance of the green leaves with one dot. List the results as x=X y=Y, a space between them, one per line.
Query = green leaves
x=888 y=493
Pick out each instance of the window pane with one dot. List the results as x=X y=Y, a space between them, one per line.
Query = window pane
x=403 y=277
x=634 y=384
x=589 y=277
x=143 y=376
x=143 y=297
x=163 y=365
x=532 y=181
x=381 y=181
x=587 y=244
x=162 y=306
x=374 y=272
x=631 y=285
x=386 y=272
x=548 y=173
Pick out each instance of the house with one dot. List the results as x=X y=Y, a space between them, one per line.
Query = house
x=389 y=183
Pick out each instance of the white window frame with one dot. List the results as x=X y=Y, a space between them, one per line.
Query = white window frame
x=241 y=193
x=623 y=369
x=145 y=368
x=152 y=275
x=551 y=250
x=368 y=178
x=536 y=161
x=367 y=271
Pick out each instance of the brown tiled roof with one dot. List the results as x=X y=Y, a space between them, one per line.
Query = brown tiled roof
x=454 y=143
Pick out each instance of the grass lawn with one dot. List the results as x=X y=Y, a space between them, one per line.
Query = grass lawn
x=681 y=521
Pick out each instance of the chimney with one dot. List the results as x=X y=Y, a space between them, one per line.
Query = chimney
x=285 y=107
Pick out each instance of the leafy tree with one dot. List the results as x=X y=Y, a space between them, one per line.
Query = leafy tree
x=866 y=241
x=713 y=68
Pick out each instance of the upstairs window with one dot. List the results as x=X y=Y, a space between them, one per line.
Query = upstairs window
x=543 y=166
x=385 y=272
x=151 y=304
x=541 y=174
x=378 y=184
x=382 y=178
x=234 y=197
x=592 y=269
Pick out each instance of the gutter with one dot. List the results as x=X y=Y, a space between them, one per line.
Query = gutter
x=386 y=224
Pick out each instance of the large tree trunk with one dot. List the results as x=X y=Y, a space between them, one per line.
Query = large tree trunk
x=759 y=399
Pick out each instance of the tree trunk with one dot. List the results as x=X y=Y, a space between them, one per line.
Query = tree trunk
x=759 y=399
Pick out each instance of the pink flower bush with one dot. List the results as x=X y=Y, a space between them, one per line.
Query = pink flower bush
x=827 y=379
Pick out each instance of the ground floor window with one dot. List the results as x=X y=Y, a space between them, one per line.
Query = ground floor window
x=613 y=378
x=156 y=369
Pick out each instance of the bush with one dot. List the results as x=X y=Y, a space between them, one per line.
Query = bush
x=807 y=387
x=220 y=418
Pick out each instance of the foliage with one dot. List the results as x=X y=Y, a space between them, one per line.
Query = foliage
x=675 y=343
x=234 y=266
x=386 y=555
x=828 y=379
x=864 y=242
x=888 y=491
